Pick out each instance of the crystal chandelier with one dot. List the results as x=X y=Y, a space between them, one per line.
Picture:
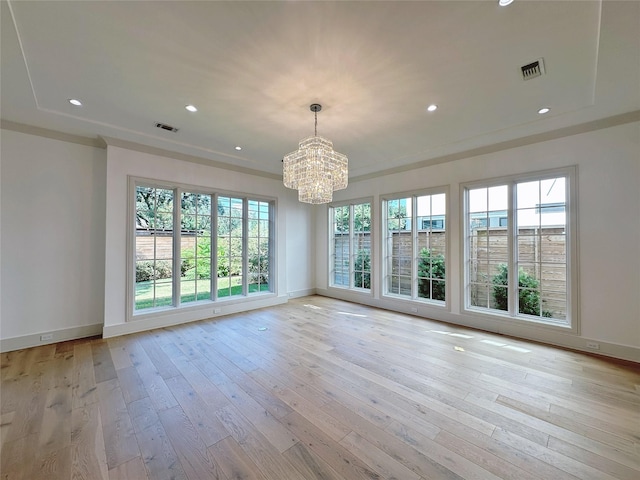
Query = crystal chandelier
x=315 y=169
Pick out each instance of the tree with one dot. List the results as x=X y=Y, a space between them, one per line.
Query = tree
x=361 y=218
x=398 y=212
x=154 y=208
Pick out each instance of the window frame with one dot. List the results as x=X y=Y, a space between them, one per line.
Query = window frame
x=413 y=297
x=351 y=204
x=511 y=315
x=177 y=305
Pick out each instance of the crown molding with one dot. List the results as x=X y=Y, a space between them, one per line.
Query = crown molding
x=600 y=124
x=53 y=134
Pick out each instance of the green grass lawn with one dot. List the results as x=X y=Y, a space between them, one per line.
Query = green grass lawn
x=226 y=287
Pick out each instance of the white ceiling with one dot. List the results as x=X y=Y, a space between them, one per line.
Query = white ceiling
x=253 y=69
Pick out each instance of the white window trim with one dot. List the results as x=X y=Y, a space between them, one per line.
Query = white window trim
x=572 y=248
x=446 y=305
x=331 y=250
x=131 y=314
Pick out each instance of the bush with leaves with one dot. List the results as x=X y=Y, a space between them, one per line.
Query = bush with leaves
x=431 y=267
x=146 y=271
x=362 y=269
x=259 y=268
x=528 y=293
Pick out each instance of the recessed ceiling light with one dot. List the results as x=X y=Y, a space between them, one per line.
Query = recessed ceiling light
x=504 y=3
x=191 y=108
x=238 y=148
x=544 y=110
x=432 y=108
x=75 y=102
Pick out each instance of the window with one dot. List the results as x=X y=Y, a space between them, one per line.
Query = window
x=351 y=246
x=415 y=247
x=176 y=249
x=195 y=247
x=154 y=247
x=230 y=246
x=529 y=243
x=259 y=245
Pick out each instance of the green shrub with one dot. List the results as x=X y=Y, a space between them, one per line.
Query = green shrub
x=145 y=270
x=362 y=269
x=528 y=293
x=431 y=267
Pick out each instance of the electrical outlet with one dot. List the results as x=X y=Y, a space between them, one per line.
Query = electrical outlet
x=216 y=310
x=46 y=336
x=414 y=309
x=593 y=345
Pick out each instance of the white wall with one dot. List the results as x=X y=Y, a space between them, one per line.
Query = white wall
x=52 y=270
x=608 y=177
x=58 y=233
x=63 y=245
x=293 y=236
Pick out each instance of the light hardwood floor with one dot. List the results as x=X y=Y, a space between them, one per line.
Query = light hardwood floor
x=317 y=389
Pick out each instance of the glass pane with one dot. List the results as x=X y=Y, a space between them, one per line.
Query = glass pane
x=438 y=290
x=393 y=284
x=188 y=223
x=204 y=289
x=438 y=204
x=528 y=194
x=224 y=206
x=187 y=290
x=263 y=226
x=478 y=200
x=163 y=289
x=236 y=207
x=554 y=274
x=529 y=301
x=479 y=295
x=423 y=206
x=554 y=304
x=528 y=248
x=497 y=249
x=529 y=217
x=498 y=198
x=498 y=299
x=529 y=275
x=204 y=224
x=424 y=288
x=553 y=190
x=362 y=217
x=164 y=200
x=405 y=285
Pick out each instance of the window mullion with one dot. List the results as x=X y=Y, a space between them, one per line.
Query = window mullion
x=352 y=263
x=214 y=248
x=245 y=247
x=414 y=247
x=512 y=252
x=177 y=239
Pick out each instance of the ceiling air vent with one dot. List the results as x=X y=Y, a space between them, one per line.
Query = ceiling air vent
x=164 y=126
x=533 y=69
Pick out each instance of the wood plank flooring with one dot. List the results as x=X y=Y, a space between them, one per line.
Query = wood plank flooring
x=316 y=389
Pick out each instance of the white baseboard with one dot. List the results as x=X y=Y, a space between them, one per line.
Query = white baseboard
x=160 y=321
x=302 y=293
x=64 y=334
x=524 y=332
